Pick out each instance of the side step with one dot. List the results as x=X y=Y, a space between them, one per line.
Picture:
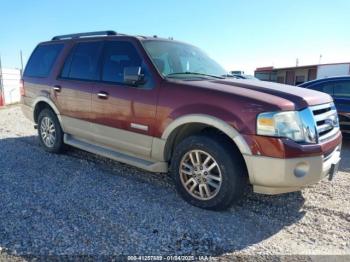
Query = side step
x=157 y=167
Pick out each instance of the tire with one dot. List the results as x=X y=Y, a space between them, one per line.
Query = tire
x=48 y=124
x=229 y=171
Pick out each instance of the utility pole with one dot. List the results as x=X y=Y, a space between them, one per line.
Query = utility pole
x=21 y=56
x=319 y=60
x=1 y=86
x=0 y=72
x=0 y=76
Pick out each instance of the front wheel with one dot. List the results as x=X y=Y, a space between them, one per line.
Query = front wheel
x=50 y=132
x=207 y=172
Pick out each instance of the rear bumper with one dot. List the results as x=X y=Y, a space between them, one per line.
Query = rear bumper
x=28 y=112
x=270 y=175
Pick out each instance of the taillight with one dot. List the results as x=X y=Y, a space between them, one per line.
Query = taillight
x=21 y=87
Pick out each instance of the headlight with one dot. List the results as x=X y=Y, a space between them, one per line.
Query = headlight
x=287 y=124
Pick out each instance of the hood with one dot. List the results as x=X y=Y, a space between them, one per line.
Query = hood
x=284 y=96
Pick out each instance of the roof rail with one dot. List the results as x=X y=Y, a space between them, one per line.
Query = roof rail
x=142 y=36
x=79 y=35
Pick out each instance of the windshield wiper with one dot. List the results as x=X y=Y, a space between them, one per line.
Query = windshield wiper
x=193 y=73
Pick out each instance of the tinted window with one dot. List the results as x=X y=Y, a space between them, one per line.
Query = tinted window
x=324 y=87
x=117 y=56
x=82 y=63
x=42 y=60
x=342 y=89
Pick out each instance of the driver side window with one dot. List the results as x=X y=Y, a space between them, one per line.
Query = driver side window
x=325 y=87
x=119 y=55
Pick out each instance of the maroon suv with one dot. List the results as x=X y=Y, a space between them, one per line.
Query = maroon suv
x=161 y=105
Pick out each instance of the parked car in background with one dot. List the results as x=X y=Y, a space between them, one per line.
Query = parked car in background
x=241 y=75
x=244 y=77
x=163 y=105
x=339 y=89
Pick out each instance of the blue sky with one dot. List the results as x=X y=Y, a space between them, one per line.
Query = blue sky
x=239 y=34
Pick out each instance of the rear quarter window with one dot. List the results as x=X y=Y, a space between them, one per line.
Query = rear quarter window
x=42 y=60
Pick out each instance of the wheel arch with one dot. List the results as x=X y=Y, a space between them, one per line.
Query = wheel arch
x=43 y=102
x=190 y=124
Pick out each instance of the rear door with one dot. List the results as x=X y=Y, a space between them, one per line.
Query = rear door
x=73 y=87
x=124 y=115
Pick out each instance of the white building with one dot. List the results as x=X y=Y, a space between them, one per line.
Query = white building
x=10 y=88
x=300 y=74
x=329 y=70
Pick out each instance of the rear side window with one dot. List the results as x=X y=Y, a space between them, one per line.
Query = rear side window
x=42 y=60
x=83 y=62
x=342 y=89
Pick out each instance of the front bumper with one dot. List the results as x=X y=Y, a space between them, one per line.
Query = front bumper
x=270 y=175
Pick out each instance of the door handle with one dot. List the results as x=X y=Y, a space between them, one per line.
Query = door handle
x=102 y=95
x=57 y=88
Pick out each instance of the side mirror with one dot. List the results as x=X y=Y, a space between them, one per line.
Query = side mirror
x=133 y=76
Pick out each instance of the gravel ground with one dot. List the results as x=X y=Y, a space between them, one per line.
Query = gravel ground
x=81 y=204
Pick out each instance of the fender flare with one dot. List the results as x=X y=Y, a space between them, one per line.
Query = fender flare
x=211 y=121
x=47 y=101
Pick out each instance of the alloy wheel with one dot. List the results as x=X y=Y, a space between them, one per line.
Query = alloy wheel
x=200 y=174
x=48 y=132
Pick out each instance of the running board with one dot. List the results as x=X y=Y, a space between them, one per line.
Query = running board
x=157 y=167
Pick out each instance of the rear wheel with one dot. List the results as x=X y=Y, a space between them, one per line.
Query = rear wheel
x=49 y=131
x=207 y=172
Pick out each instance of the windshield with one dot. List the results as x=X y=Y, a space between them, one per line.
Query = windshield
x=179 y=60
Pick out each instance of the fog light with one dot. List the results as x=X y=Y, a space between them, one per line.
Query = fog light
x=301 y=170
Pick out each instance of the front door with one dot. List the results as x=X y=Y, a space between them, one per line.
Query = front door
x=123 y=115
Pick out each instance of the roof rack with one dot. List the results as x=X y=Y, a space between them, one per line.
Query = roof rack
x=79 y=35
x=142 y=36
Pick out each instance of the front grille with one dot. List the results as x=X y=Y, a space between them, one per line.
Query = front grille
x=326 y=120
